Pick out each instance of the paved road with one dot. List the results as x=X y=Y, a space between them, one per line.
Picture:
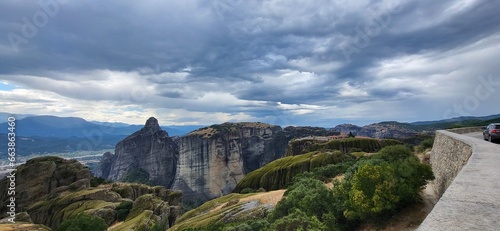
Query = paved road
x=478 y=135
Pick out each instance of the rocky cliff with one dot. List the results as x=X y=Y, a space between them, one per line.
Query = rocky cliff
x=42 y=177
x=213 y=160
x=149 y=154
x=206 y=163
x=389 y=129
x=50 y=190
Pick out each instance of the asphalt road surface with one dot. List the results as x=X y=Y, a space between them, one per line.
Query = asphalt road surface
x=478 y=135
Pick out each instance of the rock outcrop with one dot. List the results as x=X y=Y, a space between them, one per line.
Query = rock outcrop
x=104 y=166
x=205 y=163
x=389 y=129
x=147 y=212
x=43 y=176
x=52 y=189
x=213 y=160
x=148 y=153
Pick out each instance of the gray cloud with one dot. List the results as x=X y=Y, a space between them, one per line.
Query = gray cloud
x=247 y=56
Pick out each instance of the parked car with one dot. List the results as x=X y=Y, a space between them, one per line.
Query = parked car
x=492 y=132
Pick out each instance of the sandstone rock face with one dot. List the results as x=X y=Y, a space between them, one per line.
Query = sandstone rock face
x=213 y=160
x=205 y=163
x=385 y=130
x=42 y=176
x=105 y=165
x=148 y=150
x=148 y=211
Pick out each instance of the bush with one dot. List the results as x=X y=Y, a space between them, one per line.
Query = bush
x=138 y=175
x=96 y=181
x=83 y=222
x=122 y=210
x=308 y=195
x=371 y=191
x=393 y=153
x=380 y=185
x=298 y=220
x=425 y=144
x=247 y=190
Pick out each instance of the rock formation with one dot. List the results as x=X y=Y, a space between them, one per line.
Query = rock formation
x=205 y=163
x=149 y=151
x=104 y=166
x=213 y=160
x=52 y=189
x=389 y=129
x=43 y=176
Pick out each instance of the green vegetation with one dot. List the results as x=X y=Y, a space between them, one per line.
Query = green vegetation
x=137 y=175
x=83 y=223
x=123 y=209
x=247 y=190
x=425 y=144
x=279 y=173
x=373 y=188
x=354 y=144
x=96 y=181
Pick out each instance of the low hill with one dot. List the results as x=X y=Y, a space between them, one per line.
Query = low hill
x=348 y=145
x=50 y=190
x=279 y=173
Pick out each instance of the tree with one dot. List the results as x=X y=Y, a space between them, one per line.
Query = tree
x=298 y=220
x=83 y=222
x=394 y=152
x=351 y=135
x=306 y=194
x=371 y=190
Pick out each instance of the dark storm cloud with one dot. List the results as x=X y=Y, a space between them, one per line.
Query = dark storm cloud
x=184 y=54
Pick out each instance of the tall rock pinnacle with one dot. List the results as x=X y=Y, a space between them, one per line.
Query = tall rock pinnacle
x=152 y=123
x=148 y=152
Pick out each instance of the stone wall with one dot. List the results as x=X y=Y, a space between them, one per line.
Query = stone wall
x=467 y=175
x=448 y=157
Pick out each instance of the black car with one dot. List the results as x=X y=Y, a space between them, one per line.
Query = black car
x=492 y=132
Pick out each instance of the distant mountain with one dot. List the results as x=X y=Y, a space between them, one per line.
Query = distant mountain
x=457 y=119
x=4 y=116
x=402 y=131
x=65 y=127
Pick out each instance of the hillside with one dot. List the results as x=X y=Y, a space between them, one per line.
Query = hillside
x=52 y=190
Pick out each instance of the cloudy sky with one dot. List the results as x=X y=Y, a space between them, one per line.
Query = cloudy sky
x=287 y=62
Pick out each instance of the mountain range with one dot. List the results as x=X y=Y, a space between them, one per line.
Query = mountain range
x=65 y=127
x=52 y=134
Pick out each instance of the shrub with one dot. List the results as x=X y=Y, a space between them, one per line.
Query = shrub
x=138 y=175
x=425 y=144
x=298 y=220
x=260 y=190
x=308 y=195
x=395 y=152
x=247 y=190
x=96 y=181
x=380 y=185
x=372 y=190
x=83 y=222
x=122 y=210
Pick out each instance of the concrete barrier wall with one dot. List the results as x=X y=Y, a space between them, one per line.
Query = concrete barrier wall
x=466 y=130
x=467 y=174
x=448 y=157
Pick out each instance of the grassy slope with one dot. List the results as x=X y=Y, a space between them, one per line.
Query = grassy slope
x=277 y=174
